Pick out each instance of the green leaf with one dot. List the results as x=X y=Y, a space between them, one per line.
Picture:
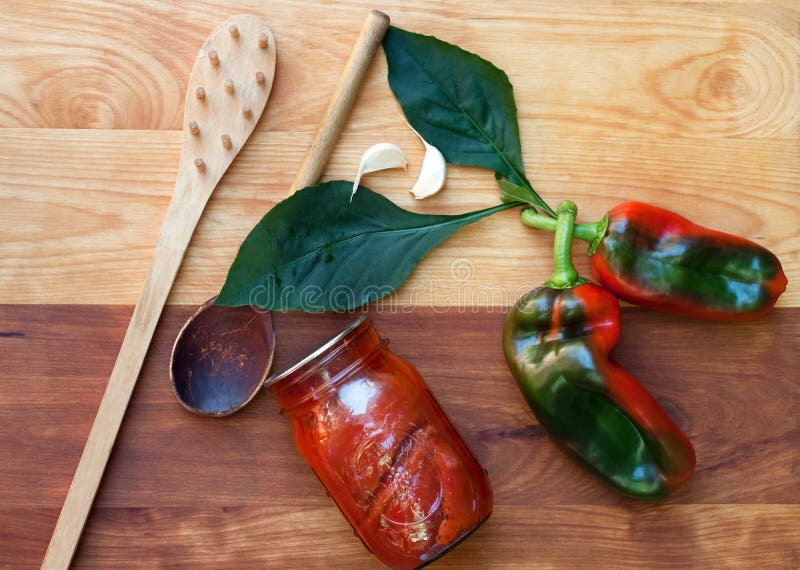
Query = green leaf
x=459 y=102
x=510 y=192
x=315 y=251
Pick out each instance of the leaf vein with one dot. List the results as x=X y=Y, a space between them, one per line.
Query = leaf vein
x=420 y=229
x=469 y=117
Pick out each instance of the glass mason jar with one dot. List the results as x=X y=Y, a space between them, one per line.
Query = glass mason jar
x=368 y=426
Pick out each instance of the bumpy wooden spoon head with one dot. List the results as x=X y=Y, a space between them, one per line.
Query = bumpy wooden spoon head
x=229 y=86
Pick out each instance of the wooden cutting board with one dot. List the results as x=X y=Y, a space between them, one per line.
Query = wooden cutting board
x=688 y=105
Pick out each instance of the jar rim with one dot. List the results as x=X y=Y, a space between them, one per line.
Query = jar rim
x=316 y=353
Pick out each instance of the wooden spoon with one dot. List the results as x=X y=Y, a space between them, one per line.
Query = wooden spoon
x=228 y=89
x=222 y=355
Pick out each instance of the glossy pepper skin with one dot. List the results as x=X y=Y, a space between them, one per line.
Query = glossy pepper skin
x=556 y=341
x=656 y=258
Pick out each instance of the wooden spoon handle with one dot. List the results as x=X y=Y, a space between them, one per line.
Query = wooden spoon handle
x=344 y=97
x=176 y=232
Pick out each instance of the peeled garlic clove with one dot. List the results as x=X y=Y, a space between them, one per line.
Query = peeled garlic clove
x=381 y=156
x=432 y=174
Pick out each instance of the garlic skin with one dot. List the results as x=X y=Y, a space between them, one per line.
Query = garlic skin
x=381 y=156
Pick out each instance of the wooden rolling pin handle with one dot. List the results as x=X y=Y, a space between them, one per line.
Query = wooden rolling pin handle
x=343 y=99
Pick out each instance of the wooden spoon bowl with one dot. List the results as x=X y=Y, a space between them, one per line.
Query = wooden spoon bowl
x=221 y=358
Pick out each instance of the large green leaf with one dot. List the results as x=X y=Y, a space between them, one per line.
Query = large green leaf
x=459 y=102
x=316 y=251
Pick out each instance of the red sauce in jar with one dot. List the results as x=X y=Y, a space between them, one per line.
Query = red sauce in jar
x=369 y=427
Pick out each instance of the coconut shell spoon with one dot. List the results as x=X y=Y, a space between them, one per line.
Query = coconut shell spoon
x=222 y=355
x=227 y=91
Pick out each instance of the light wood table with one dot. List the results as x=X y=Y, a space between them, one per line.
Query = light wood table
x=689 y=105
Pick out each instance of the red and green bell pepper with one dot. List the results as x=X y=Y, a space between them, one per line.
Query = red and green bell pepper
x=556 y=341
x=655 y=258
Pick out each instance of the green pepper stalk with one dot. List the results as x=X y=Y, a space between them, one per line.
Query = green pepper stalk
x=564 y=275
x=556 y=342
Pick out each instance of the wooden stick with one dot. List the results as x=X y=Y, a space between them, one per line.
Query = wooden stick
x=344 y=97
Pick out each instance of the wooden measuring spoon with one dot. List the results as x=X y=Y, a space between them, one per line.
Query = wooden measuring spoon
x=222 y=355
x=228 y=89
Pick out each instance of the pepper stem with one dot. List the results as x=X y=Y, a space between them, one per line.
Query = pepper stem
x=591 y=233
x=564 y=274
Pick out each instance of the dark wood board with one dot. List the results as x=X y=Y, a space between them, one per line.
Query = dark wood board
x=182 y=490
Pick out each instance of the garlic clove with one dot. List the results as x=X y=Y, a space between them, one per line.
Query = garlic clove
x=432 y=174
x=381 y=156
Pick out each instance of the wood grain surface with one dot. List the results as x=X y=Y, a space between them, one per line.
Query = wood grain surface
x=93 y=206
x=691 y=105
x=185 y=490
